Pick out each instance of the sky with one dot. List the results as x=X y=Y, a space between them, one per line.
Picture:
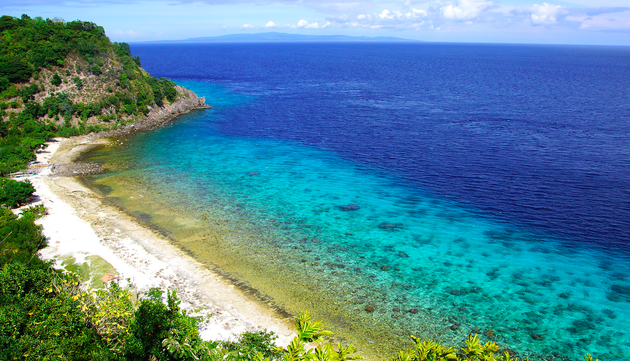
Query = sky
x=588 y=22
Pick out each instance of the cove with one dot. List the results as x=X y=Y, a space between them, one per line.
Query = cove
x=272 y=213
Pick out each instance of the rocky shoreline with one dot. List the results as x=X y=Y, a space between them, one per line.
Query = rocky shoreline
x=188 y=101
x=63 y=164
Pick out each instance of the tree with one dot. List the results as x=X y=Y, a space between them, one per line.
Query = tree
x=56 y=80
x=78 y=82
x=15 y=69
x=163 y=331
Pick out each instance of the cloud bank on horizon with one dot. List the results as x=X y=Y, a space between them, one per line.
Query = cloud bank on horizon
x=605 y=22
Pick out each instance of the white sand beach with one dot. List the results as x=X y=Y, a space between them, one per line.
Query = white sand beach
x=80 y=225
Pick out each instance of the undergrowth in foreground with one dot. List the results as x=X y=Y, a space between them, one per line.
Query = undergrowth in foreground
x=47 y=314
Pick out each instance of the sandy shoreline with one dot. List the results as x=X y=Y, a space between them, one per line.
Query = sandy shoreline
x=82 y=226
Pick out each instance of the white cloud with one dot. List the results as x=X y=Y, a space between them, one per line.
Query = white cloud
x=385 y=15
x=270 y=24
x=130 y=34
x=247 y=26
x=545 y=14
x=465 y=10
x=305 y=24
x=619 y=21
x=315 y=25
x=415 y=13
x=361 y=17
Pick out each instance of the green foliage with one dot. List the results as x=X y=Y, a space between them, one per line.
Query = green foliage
x=29 y=44
x=429 y=350
x=109 y=313
x=4 y=83
x=78 y=82
x=14 y=193
x=253 y=344
x=56 y=80
x=309 y=331
x=34 y=212
x=39 y=319
x=22 y=134
x=14 y=157
x=20 y=239
x=122 y=49
x=162 y=331
x=15 y=68
x=95 y=69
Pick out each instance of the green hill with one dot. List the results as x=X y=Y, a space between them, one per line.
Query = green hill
x=62 y=78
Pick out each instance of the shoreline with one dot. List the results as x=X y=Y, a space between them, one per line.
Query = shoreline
x=80 y=228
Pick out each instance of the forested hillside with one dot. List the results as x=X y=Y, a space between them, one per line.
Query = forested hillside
x=62 y=78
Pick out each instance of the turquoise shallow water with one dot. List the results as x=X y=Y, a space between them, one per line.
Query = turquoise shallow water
x=404 y=248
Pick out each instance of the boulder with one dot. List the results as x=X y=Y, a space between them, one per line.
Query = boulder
x=350 y=207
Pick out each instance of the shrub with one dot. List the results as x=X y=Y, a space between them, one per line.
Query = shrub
x=14 y=193
x=95 y=69
x=313 y=331
x=20 y=239
x=78 y=82
x=162 y=331
x=56 y=80
x=251 y=344
x=39 y=320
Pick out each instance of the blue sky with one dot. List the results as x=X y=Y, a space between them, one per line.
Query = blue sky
x=601 y=22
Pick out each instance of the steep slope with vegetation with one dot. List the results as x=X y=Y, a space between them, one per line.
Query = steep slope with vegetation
x=62 y=78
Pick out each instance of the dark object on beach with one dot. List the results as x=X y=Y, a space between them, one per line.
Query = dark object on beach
x=489 y=333
x=413 y=310
x=455 y=326
x=456 y=292
x=350 y=207
x=369 y=308
x=384 y=268
x=537 y=337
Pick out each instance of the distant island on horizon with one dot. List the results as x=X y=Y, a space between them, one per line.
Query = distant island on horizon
x=276 y=37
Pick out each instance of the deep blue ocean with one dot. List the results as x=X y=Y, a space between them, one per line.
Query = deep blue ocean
x=485 y=186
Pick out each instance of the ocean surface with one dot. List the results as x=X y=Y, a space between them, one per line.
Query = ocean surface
x=396 y=189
